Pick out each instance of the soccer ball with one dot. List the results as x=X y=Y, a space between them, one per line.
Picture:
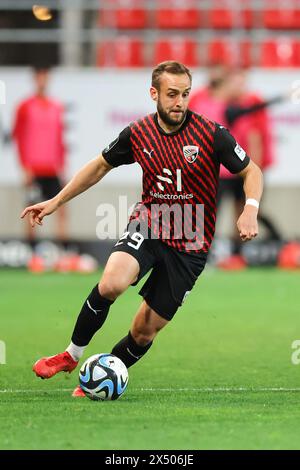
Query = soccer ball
x=103 y=377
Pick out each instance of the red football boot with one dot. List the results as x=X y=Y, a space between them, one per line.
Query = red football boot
x=78 y=392
x=49 y=366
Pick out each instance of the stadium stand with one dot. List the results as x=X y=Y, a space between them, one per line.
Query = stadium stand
x=130 y=14
x=200 y=32
x=174 y=14
x=283 y=52
x=121 y=52
x=184 y=50
x=232 y=52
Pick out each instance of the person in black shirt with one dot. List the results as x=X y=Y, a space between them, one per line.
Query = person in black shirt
x=171 y=229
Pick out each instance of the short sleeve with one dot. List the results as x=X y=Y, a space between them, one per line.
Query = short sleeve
x=229 y=152
x=119 y=152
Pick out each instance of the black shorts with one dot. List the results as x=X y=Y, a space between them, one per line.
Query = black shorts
x=43 y=188
x=173 y=275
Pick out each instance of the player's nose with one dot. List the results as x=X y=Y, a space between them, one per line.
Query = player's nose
x=179 y=102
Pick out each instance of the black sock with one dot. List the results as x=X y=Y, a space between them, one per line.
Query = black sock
x=92 y=316
x=129 y=351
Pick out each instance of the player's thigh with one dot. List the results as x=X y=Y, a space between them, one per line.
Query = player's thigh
x=120 y=271
x=171 y=281
x=146 y=324
x=138 y=247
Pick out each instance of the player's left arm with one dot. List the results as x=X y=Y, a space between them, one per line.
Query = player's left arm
x=235 y=159
x=253 y=186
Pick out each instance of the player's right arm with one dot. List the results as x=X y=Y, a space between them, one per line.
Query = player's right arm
x=119 y=152
x=86 y=177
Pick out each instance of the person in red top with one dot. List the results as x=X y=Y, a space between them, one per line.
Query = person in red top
x=225 y=99
x=248 y=119
x=38 y=133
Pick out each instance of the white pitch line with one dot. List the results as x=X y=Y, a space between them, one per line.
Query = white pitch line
x=204 y=389
x=38 y=390
x=223 y=389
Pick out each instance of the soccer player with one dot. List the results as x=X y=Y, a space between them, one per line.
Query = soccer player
x=171 y=230
x=38 y=132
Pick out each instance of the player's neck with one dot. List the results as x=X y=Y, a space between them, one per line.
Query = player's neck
x=167 y=127
x=41 y=94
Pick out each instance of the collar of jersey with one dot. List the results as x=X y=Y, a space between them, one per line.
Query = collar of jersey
x=186 y=121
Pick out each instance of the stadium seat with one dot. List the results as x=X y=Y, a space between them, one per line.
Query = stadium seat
x=123 y=52
x=248 y=18
x=280 y=53
x=281 y=15
x=221 y=17
x=297 y=52
x=182 y=50
x=229 y=52
x=245 y=54
x=176 y=14
x=127 y=14
x=281 y=19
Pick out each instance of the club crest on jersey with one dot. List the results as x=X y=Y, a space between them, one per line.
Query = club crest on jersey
x=190 y=153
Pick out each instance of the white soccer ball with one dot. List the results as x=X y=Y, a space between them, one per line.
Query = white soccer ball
x=103 y=377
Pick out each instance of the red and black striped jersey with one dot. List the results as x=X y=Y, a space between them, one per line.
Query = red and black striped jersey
x=180 y=176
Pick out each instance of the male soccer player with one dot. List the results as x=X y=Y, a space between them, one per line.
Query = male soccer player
x=171 y=231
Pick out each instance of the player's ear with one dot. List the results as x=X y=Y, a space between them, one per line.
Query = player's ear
x=153 y=93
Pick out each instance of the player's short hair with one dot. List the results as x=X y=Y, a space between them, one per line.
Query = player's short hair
x=41 y=68
x=168 y=66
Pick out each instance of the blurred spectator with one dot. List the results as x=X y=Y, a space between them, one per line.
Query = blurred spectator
x=211 y=100
x=38 y=132
x=247 y=117
x=226 y=100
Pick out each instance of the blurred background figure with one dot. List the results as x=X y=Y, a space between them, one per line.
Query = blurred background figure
x=211 y=100
x=227 y=100
x=38 y=133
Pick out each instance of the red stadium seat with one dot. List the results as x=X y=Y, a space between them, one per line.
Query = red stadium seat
x=127 y=14
x=281 y=19
x=182 y=50
x=247 y=18
x=281 y=15
x=221 y=15
x=245 y=54
x=176 y=14
x=280 y=53
x=221 y=18
x=297 y=52
x=123 y=52
x=229 y=52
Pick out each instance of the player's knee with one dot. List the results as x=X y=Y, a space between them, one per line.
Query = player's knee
x=112 y=288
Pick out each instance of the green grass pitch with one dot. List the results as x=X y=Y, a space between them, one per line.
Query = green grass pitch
x=220 y=376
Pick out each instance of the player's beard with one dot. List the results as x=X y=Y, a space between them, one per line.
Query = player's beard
x=167 y=119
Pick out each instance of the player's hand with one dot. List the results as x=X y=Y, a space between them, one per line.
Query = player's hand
x=247 y=224
x=38 y=211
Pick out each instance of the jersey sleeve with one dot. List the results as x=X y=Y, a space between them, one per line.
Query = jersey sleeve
x=119 y=152
x=229 y=152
